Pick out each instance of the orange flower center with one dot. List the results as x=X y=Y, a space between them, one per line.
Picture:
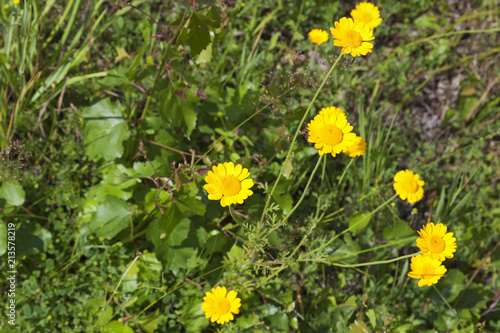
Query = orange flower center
x=366 y=17
x=437 y=244
x=331 y=135
x=222 y=306
x=410 y=186
x=427 y=271
x=230 y=186
x=353 y=39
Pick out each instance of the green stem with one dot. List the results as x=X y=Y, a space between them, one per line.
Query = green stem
x=448 y=304
x=352 y=226
x=236 y=220
x=305 y=189
x=160 y=69
x=380 y=262
x=293 y=142
x=298 y=203
x=114 y=291
x=345 y=170
x=399 y=241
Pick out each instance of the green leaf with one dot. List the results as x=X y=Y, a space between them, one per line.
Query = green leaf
x=161 y=228
x=398 y=231
x=348 y=251
x=217 y=243
x=115 y=77
x=427 y=21
x=179 y=249
x=285 y=202
x=168 y=233
x=458 y=207
x=111 y=217
x=288 y=169
x=105 y=316
x=279 y=320
x=115 y=179
x=149 y=323
x=177 y=113
x=132 y=71
x=440 y=205
x=13 y=193
x=359 y=327
x=453 y=283
x=246 y=321
x=104 y=130
x=180 y=233
x=31 y=238
x=283 y=197
x=205 y=56
x=130 y=281
x=122 y=54
x=351 y=302
x=371 y=316
x=116 y=327
x=359 y=221
x=189 y=116
x=446 y=320
x=196 y=34
x=215 y=16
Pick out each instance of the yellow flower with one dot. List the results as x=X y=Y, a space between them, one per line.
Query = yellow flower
x=428 y=270
x=318 y=36
x=358 y=149
x=332 y=110
x=227 y=183
x=17 y=2
x=220 y=307
x=435 y=242
x=330 y=131
x=368 y=14
x=352 y=36
x=408 y=185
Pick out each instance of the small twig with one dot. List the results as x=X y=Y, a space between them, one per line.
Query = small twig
x=480 y=265
x=255 y=43
x=481 y=99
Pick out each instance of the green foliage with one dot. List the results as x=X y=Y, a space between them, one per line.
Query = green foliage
x=124 y=107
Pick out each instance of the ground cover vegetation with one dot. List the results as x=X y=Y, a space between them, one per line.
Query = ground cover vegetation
x=257 y=166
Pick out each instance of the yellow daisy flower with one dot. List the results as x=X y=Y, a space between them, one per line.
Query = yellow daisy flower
x=227 y=183
x=408 y=185
x=428 y=270
x=17 y=2
x=220 y=307
x=352 y=36
x=330 y=131
x=332 y=110
x=368 y=14
x=318 y=36
x=358 y=149
x=435 y=242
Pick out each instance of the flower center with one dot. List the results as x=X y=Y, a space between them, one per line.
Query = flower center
x=331 y=135
x=410 y=186
x=222 y=306
x=427 y=271
x=230 y=186
x=353 y=38
x=437 y=244
x=366 y=17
